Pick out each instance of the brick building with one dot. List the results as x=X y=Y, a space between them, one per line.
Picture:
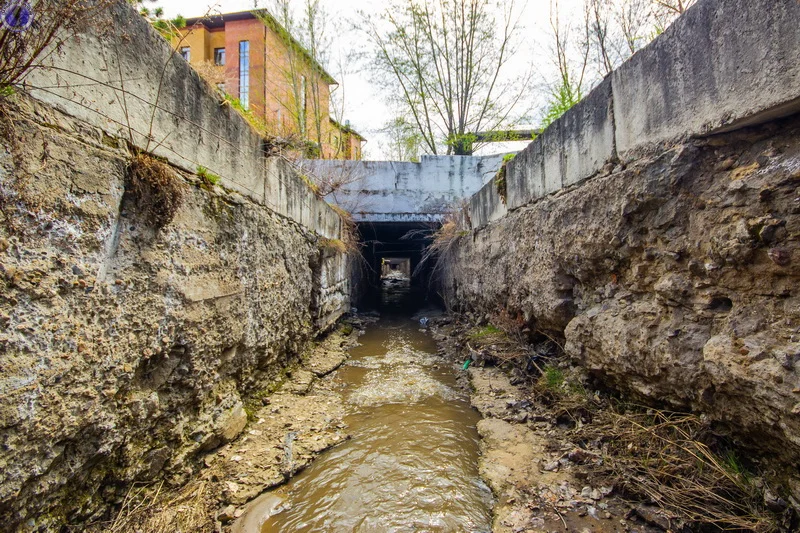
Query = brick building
x=250 y=56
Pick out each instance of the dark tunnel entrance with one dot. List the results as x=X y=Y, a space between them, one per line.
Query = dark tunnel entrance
x=394 y=251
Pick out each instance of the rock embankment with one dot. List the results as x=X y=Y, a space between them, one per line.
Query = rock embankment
x=128 y=351
x=672 y=279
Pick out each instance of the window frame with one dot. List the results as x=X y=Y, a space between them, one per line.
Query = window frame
x=244 y=74
x=219 y=57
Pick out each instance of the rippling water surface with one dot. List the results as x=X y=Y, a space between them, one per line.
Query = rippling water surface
x=411 y=465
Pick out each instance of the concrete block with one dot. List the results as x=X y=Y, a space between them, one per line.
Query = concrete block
x=587 y=135
x=525 y=176
x=486 y=206
x=552 y=157
x=722 y=65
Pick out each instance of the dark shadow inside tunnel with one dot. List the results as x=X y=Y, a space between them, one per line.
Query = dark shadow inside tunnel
x=394 y=260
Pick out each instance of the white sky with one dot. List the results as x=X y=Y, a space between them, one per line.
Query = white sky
x=364 y=106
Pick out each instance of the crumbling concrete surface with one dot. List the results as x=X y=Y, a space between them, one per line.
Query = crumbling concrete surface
x=126 y=352
x=674 y=279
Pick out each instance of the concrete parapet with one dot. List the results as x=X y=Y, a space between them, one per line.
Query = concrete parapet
x=486 y=206
x=721 y=66
x=390 y=191
x=121 y=76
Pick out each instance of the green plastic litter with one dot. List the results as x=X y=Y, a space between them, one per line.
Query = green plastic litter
x=466 y=364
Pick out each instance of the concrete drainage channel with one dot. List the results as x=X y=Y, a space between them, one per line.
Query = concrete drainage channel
x=411 y=463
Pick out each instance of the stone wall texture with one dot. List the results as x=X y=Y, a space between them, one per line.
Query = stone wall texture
x=126 y=353
x=654 y=228
x=674 y=280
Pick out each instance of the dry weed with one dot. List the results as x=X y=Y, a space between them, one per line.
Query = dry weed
x=155 y=188
x=674 y=460
x=153 y=509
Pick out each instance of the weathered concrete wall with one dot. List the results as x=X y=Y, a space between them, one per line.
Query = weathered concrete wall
x=390 y=191
x=723 y=65
x=126 y=352
x=658 y=238
x=674 y=280
x=121 y=76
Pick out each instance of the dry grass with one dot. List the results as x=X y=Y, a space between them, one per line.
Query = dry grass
x=155 y=188
x=675 y=461
x=350 y=236
x=152 y=509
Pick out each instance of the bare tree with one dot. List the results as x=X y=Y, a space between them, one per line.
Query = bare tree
x=571 y=59
x=403 y=142
x=443 y=63
x=588 y=49
x=634 y=18
x=302 y=96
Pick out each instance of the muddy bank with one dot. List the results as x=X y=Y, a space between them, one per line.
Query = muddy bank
x=562 y=456
x=287 y=426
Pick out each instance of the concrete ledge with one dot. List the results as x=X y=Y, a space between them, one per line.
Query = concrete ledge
x=725 y=64
x=720 y=66
x=111 y=77
x=486 y=206
x=587 y=135
x=525 y=176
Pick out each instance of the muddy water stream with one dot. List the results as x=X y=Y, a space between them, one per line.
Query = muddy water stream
x=411 y=465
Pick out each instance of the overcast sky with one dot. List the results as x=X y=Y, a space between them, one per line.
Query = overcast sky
x=364 y=106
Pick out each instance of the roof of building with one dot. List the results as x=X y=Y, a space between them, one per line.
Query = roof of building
x=347 y=128
x=218 y=21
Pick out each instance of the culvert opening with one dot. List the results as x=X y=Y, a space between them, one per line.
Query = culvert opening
x=395 y=276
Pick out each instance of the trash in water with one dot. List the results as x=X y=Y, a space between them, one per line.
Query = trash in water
x=423 y=322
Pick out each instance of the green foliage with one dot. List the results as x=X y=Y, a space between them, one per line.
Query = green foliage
x=563 y=98
x=485 y=332
x=404 y=140
x=461 y=143
x=167 y=28
x=209 y=178
x=552 y=377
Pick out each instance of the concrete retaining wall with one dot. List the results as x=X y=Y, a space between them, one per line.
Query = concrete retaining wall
x=121 y=76
x=725 y=64
x=388 y=191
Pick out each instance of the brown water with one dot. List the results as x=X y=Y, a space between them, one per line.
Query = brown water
x=411 y=465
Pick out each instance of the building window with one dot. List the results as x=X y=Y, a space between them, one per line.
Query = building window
x=219 y=57
x=186 y=52
x=244 y=73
